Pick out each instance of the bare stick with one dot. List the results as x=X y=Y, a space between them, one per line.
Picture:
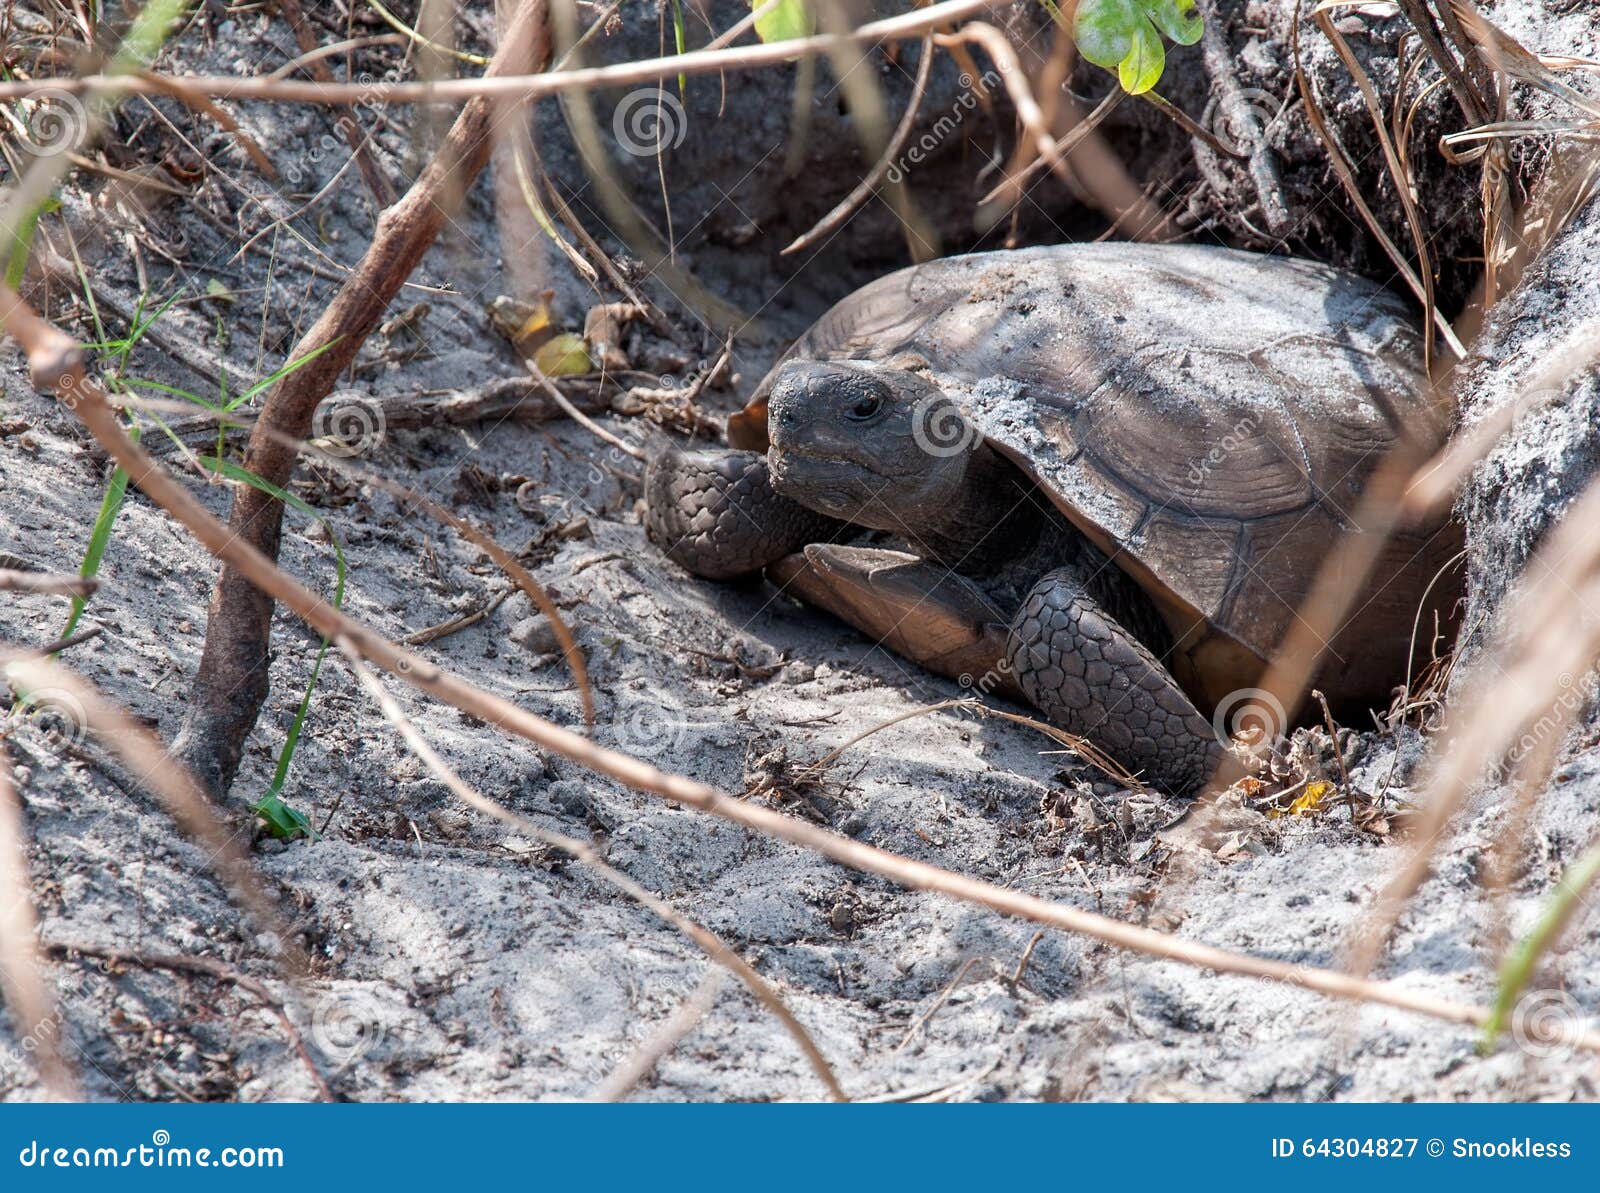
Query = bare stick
x=49 y=583
x=56 y=363
x=1007 y=192
x=583 y=853
x=1080 y=746
x=579 y=417
x=232 y=680
x=1102 y=176
x=519 y=86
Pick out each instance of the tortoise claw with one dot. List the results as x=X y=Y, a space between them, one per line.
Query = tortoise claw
x=917 y=609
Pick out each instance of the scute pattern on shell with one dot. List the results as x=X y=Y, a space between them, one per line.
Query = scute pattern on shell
x=1170 y=398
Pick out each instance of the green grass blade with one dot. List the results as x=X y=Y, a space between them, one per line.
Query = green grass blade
x=22 y=241
x=274 y=378
x=174 y=391
x=1517 y=968
x=100 y=536
x=680 y=39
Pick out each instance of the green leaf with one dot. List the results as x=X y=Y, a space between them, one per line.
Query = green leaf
x=680 y=39
x=1104 y=30
x=22 y=241
x=1125 y=35
x=1141 y=69
x=277 y=376
x=282 y=821
x=148 y=31
x=1178 y=19
x=784 y=21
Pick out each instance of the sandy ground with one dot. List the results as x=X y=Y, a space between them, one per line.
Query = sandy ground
x=459 y=959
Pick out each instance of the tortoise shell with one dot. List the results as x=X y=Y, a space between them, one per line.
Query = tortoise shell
x=1207 y=417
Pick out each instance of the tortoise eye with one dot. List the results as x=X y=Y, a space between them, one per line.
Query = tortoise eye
x=864 y=409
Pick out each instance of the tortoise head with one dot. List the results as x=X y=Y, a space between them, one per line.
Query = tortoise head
x=875 y=444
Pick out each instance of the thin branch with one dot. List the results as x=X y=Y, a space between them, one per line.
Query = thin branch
x=516 y=87
x=231 y=683
x=49 y=583
x=684 y=1020
x=578 y=416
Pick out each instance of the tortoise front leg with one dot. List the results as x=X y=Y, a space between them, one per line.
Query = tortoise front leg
x=1088 y=674
x=920 y=610
x=716 y=514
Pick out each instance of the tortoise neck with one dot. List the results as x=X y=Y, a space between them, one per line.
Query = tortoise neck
x=992 y=519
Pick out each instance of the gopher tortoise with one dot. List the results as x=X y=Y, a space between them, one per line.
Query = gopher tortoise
x=1100 y=478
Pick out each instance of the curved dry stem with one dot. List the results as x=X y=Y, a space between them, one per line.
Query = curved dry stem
x=863 y=191
x=1340 y=161
x=1081 y=746
x=684 y=1020
x=48 y=583
x=1101 y=175
x=583 y=853
x=579 y=417
x=1009 y=191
